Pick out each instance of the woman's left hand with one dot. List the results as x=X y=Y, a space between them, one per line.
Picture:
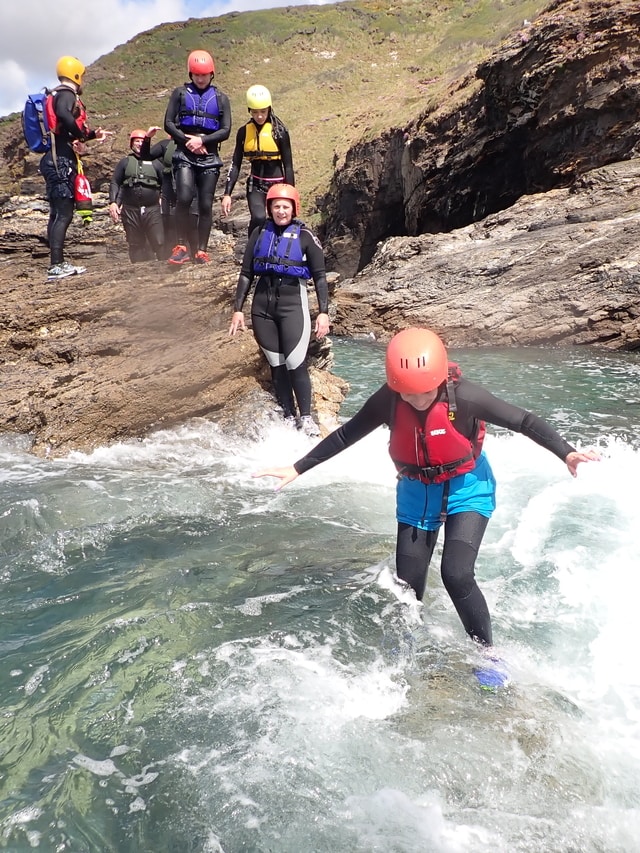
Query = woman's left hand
x=574 y=458
x=322 y=326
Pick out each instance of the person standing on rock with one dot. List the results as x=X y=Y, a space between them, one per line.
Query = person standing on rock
x=163 y=151
x=67 y=120
x=437 y=425
x=264 y=142
x=134 y=196
x=198 y=119
x=283 y=254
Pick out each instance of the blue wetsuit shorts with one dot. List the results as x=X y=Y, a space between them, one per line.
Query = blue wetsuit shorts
x=420 y=505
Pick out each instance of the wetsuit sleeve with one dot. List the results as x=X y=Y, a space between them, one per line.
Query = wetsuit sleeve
x=284 y=144
x=236 y=161
x=115 y=187
x=315 y=259
x=212 y=140
x=245 y=279
x=480 y=403
x=171 y=116
x=153 y=152
x=374 y=413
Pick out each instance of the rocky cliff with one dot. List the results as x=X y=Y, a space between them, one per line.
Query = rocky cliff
x=561 y=267
x=559 y=98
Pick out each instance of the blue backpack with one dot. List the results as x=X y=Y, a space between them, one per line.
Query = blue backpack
x=34 y=123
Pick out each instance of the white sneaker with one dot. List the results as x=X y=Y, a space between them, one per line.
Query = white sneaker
x=309 y=426
x=60 y=271
x=78 y=270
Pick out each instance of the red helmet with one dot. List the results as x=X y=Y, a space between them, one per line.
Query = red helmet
x=416 y=361
x=284 y=191
x=136 y=134
x=200 y=62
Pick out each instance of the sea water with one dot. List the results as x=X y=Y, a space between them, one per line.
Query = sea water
x=193 y=661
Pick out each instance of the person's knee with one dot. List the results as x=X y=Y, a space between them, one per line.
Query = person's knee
x=458 y=568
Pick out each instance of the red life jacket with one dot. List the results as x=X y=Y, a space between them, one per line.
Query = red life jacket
x=435 y=452
x=79 y=112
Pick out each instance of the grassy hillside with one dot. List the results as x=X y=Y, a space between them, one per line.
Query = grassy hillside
x=337 y=72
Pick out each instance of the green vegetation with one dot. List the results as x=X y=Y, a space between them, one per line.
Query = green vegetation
x=338 y=73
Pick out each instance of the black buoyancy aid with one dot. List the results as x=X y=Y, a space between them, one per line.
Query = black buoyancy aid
x=259 y=143
x=199 y=110
x=434 y=452
x=79 y=111
x=279 y=252
x=140 y=173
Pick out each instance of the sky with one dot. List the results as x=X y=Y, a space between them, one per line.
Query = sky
x=35 y=33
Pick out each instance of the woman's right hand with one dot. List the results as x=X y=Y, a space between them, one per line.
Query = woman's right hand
x=237 y=322
x=225 y=204
x=285 y=475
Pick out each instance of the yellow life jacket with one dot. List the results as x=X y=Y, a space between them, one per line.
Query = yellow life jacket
x=259 y=143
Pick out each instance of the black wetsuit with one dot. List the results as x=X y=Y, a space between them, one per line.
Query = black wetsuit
x=264 y=172
x=140 y=212
x=463 y=530
x=281 y=319
x=195 y=173
x=59 y=167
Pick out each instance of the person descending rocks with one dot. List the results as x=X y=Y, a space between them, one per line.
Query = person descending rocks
x=134 y=196
x=67 y=120
x=198 y=119
x=437 y=422
x=282 y=255
x=264 y=142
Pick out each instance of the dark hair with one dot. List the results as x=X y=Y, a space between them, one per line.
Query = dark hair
x=278 y=129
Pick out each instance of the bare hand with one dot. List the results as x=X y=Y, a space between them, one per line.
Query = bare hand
x=114 y=211
x=574 y=458
x=102 y=134
x=225 y=204
x=322 y=326
x=151 y=131
x=194 y=144
x=237 y=322
x=285 y=475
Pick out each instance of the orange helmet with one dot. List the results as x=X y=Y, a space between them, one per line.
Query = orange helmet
x=136 y=134
x=200 y=62
x=284 y=191
x=416 y=361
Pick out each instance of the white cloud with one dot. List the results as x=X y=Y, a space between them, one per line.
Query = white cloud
x=35 y=33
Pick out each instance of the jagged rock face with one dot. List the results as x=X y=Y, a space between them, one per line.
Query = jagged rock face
x=559 y=267
x=560 y=97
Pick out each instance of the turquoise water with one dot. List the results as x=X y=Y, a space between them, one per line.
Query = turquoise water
x=193 y=662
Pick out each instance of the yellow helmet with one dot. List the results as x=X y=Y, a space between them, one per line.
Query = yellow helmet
x=258 y=98
x=70 y=68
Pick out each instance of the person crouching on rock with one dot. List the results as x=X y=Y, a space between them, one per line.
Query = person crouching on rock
x=283 y=254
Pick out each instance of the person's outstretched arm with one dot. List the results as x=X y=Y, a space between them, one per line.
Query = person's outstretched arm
x=373 y=414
